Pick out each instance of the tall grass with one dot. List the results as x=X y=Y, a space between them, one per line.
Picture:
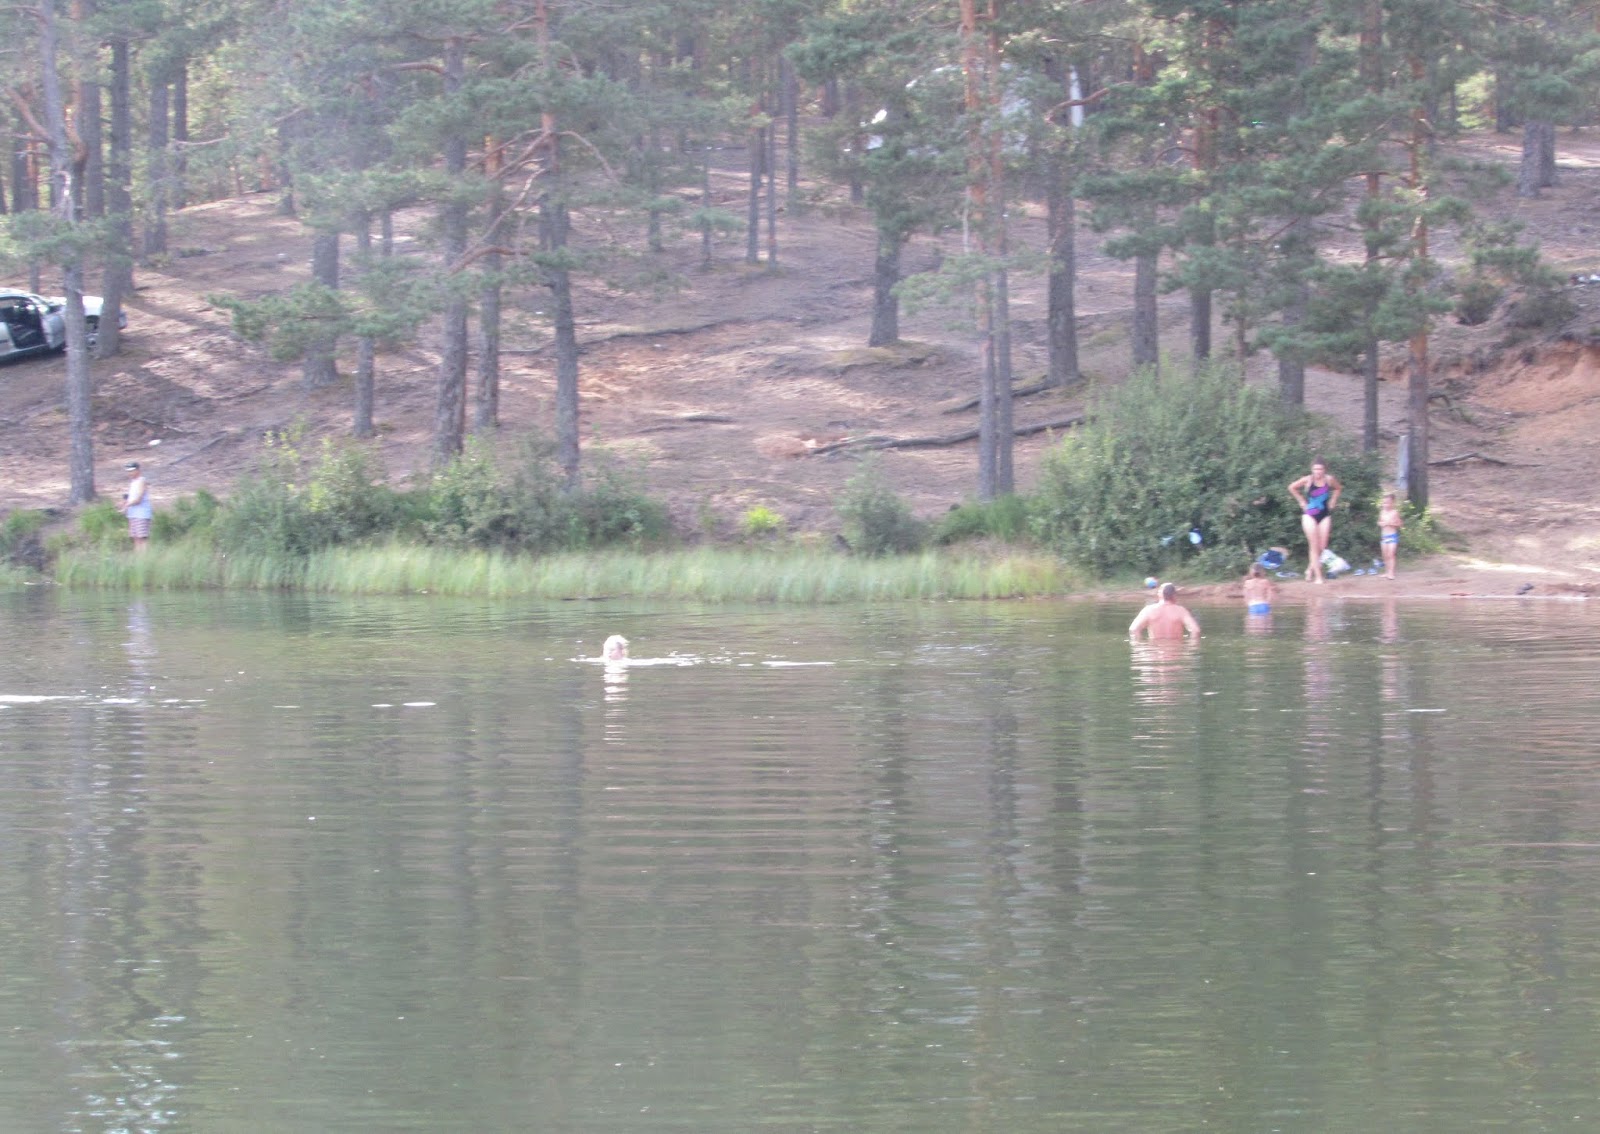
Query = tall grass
x=703 y=574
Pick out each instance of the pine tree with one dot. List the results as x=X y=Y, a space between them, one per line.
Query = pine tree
x=905 y=155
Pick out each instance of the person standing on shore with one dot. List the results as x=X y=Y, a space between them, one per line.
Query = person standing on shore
x=136 y=506
x=1164 y=619
x=1389 y=524
x=1318 y=495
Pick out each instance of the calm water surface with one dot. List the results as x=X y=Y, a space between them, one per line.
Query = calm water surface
x=289 y=864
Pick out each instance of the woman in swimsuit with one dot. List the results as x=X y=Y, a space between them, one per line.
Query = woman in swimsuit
x=1317 y=495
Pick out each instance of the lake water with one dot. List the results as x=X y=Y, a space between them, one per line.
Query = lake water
x=277 y=863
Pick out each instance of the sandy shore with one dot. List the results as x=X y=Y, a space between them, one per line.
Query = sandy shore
x=1436 y=577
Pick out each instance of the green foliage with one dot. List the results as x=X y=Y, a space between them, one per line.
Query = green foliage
x=20 y=545
x=761 y=521
x=1477 y=300
x=1005 y=519
x=520 y=501
x=703 y=574
x=289 y=322
x=1541 y=308
x=293 y=505
x=101 y=524
x=1497 y=254
x=876 y=520
x=190 y=517
x=1164 y=455
x=469 y=503
x=1423 y=533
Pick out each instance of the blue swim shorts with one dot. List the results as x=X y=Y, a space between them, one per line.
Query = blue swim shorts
x=1390 y=537
x=1260 y=608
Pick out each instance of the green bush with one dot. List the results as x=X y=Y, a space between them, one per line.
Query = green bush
x=20 y=545
x=1423 y=533
x=101 y=524
x=876 y=520
x=1477 y=300
x=761 y=521
x=291 y=505
x=1166 y=455
x=1006 y=519
x=467 y=505
x=609 y=507
x=190 y=517
x=519 y=501
x=1541 y=308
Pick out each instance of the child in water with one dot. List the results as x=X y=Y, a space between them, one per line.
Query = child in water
x=1389 y=525
x=1258 y=590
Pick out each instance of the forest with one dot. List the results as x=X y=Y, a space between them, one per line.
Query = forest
x=1278 y=161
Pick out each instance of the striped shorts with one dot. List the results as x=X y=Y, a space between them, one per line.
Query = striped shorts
x=139 y=527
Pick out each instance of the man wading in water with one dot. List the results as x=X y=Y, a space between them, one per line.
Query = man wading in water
x=1164 y=619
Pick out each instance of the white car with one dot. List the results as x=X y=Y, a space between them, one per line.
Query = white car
x=32 y=324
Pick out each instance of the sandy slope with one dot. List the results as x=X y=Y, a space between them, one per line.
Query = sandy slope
x=722 y=388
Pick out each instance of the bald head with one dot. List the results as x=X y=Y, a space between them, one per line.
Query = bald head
x=1169 y=592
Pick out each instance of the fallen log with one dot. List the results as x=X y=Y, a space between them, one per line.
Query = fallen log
x=1016 y=392
x=880 y=441
x=1461 y=458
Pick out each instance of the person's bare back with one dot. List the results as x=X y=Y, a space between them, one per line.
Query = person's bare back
x=1164 y=620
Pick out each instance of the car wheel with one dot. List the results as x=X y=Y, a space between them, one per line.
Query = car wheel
x=91 y=331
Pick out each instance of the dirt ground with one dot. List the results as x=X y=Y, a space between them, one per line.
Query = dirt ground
x=723 y=388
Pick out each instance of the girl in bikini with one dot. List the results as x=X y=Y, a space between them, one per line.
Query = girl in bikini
x=1389 y=525
x=1317 y=495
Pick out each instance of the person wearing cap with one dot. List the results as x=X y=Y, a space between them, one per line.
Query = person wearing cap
x=136 y=506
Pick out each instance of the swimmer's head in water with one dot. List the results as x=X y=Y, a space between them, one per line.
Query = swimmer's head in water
x=615 y=649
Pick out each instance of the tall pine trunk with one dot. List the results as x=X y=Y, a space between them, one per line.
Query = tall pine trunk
x=885 y=304
x=770 y=160
x=449 y=415
x=486 y=412
x=321 y=367
x=159 y=123
x=1146 y=325
x=118 y=281
x=706 y=201
x=1200 y=324
x=986 y=195
x=1062 y=317
x=1369 y=400
x=179 y=195
x=361 y=425
x=752 y=236
x=1061 y=224
x=1530 y=170
x=554 y=231
x=1418 y=376
x=80 y=387
x=791 y=111
x=87 y=117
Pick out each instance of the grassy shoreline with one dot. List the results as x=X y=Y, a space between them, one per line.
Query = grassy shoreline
x=707 y=574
